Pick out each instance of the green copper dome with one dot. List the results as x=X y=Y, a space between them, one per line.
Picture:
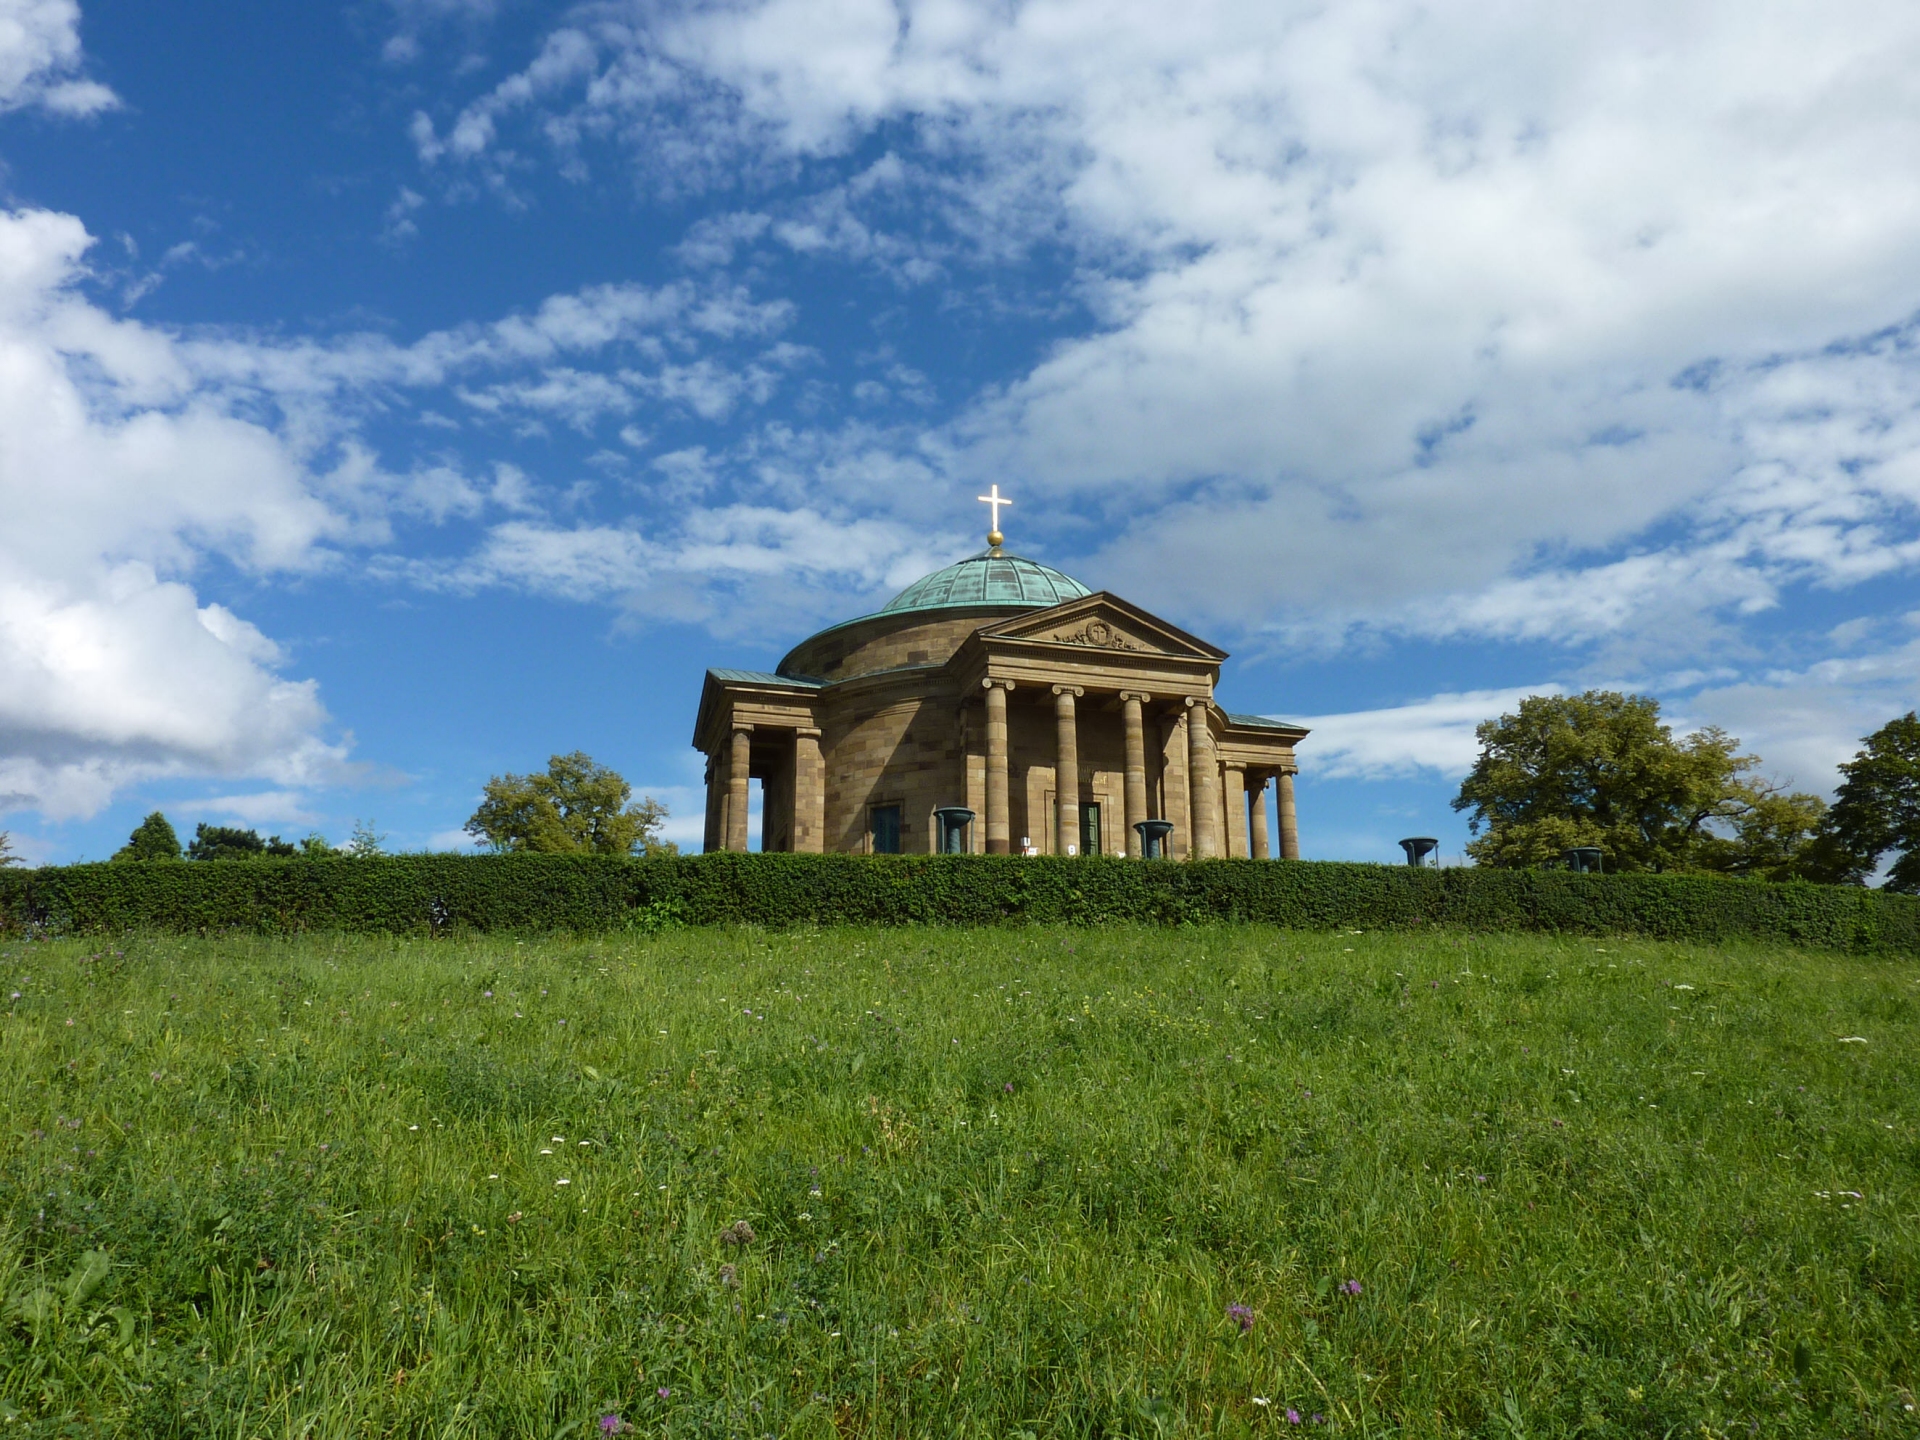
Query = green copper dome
x=987 y=579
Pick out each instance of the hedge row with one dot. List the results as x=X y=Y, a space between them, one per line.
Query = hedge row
x=526 y=893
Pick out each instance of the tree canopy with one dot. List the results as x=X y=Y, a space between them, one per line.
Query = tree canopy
x=1877 y=808
x=1602 y=769
x=152 y=839
x=577 y=805
x=226 y=842
x=7 y=857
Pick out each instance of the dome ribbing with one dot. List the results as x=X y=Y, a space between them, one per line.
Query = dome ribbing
x=987 y=579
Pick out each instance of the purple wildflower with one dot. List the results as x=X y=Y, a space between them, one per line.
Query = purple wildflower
x=1293 y=1416
x=1008 y=1087
x=1352 y=1287
x=663 y=1392
x=1318 y=1418
x=611 y=1424
x=1241 y=1316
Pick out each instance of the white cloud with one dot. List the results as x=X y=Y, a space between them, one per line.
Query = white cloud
x=130 y=454
x=516 y=370
x=1432 y=736
x=264 y=807
x=740 y=570
x=1459 y=320
x=116 y=476
x=40 y=60
x=1802 y=723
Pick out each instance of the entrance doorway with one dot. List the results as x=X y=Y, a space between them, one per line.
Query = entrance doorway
x=1090 y=827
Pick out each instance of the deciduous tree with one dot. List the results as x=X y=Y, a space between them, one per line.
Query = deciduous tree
x=152 y=839
x=1601 y=769
x=1877 y=809
x=577 y=805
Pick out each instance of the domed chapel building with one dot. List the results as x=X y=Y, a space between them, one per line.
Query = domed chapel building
x=1060 y=717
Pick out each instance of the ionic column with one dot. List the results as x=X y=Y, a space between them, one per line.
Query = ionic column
x=1236 y=788
x=738 y=760
x=1203 y=784
x=1130 y=702
x=1260 y=844
x=1289 y=823
x=999 y=818
x=809 y=793
x=1066 y=771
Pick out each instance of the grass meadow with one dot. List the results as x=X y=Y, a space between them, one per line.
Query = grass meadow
x=1013 y=1183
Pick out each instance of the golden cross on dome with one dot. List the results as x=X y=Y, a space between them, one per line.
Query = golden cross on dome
x=996 y=500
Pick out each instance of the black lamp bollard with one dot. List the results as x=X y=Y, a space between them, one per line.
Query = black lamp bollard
x=1418 y=847
x=1585 y=859
x=953 y=820
x=1153 y=837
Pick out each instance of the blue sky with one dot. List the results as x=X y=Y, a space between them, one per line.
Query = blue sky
x=397 y=392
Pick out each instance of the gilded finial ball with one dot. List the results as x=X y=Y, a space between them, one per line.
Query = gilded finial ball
x=996 y=539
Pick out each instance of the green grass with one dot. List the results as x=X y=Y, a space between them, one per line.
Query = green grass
x=1000 y=1183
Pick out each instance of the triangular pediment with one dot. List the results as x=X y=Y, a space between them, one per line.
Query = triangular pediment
x=1103 y=621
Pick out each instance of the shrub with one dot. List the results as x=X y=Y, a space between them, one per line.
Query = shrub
x=589 y=893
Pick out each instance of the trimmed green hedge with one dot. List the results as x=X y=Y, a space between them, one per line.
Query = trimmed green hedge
x=431 y=893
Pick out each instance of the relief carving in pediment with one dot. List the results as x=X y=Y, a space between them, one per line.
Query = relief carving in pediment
x=1098 y=634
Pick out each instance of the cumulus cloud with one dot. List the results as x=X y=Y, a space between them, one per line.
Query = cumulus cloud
x=131 y=454
x=1433 y=737
x=116 y=477
x=1462 y=320
x=40 y=60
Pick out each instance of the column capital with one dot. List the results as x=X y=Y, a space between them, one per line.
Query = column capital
x=1142 y=696
x=740 y=727
x=1191 y=700
x=809 y=732
x=992 y=682
x=1239 y=765
x=1074 y=690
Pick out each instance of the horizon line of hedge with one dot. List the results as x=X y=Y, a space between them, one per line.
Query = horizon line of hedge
x=436 y=894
